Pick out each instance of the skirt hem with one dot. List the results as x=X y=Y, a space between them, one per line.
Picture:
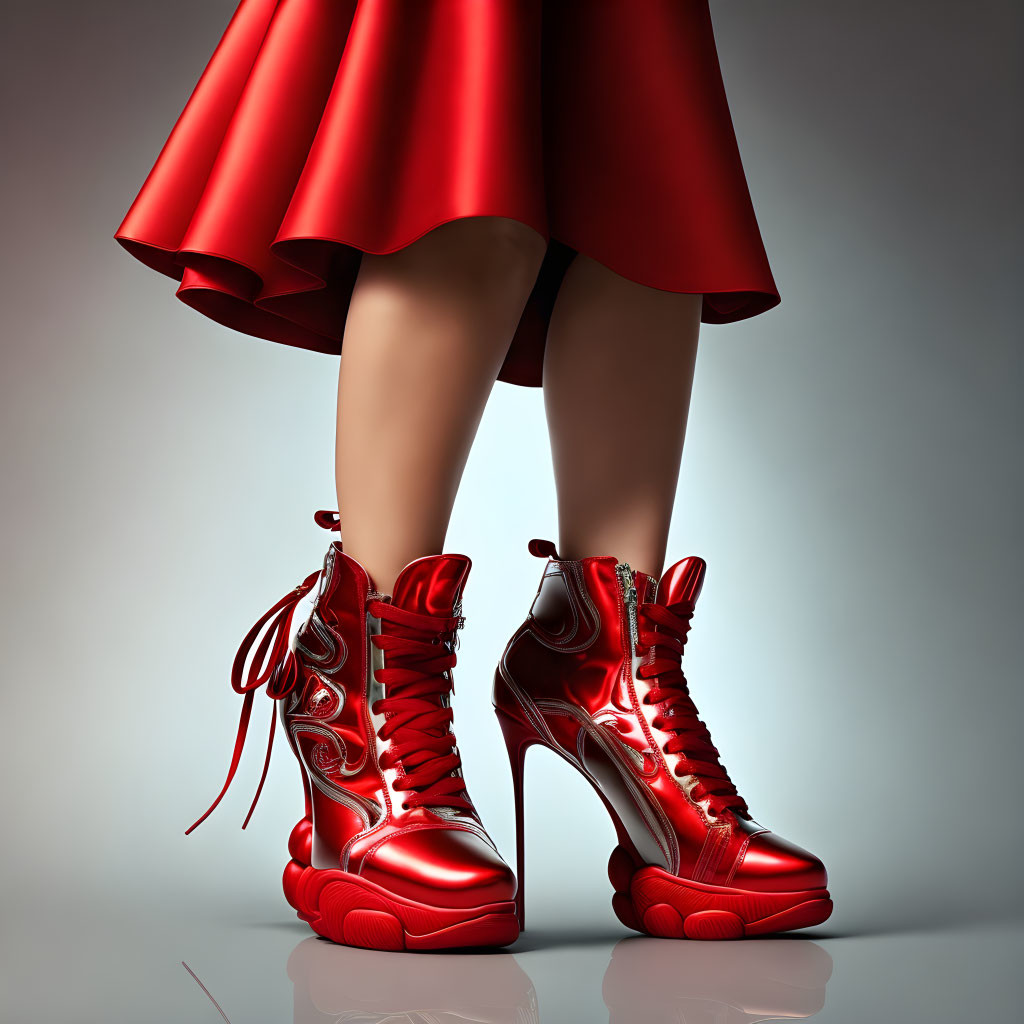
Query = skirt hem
x=232 y=293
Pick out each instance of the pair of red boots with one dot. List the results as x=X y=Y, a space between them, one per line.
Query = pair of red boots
x=391 y=854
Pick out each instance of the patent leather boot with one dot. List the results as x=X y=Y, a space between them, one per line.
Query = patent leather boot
x=390 y=853
x=595 y=674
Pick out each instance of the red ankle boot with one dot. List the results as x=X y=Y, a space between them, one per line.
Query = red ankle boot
x=595 y=674
x=390 y=853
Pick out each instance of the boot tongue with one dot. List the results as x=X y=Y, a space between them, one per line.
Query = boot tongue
x=681 y=584
x=432 y=585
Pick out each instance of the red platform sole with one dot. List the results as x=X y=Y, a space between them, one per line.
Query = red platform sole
x=349 y=910
x=649 y=899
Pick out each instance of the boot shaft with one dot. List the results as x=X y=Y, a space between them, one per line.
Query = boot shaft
x=333 y=645
x=332 y=718
x=581 y=632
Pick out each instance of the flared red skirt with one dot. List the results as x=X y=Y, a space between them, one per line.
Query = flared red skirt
x=322 y=129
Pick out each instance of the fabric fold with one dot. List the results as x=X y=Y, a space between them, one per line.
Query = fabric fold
x=322 y=129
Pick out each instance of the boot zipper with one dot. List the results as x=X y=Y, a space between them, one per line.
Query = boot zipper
x=628 y=585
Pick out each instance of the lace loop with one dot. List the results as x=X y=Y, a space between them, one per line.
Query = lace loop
x=662 y=635
x=272 y=664
x=417 y=683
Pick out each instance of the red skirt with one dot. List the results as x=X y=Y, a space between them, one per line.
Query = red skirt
x=322 y=129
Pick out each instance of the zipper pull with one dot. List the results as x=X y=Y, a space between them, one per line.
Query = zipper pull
x=628 y=584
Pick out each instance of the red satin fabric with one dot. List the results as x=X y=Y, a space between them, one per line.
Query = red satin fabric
x=323 y=128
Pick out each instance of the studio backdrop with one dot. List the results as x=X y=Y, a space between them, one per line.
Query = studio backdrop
x=852 y=475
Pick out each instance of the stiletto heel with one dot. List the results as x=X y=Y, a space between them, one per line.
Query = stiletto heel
x=518 y=739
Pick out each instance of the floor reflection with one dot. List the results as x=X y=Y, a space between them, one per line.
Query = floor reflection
x=656 y=981
x=358 y=986
x=659 y=981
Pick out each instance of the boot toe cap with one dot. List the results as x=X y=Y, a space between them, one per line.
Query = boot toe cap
x=441 y=867
x=773 y=864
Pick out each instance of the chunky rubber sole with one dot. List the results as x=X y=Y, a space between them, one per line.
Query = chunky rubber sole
x=649 y=899
x=349 y=910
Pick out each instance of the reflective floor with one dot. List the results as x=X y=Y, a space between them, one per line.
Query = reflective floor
x=642 y=979
x=154 y=961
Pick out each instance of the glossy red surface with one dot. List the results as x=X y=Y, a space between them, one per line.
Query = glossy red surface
x=390 y=852
x=323 y=128
x=595 y=673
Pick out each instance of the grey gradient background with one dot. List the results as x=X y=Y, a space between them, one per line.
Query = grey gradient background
x=853 y=475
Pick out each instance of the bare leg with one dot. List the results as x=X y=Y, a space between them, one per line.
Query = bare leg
x=427 y=330
x=618 y=371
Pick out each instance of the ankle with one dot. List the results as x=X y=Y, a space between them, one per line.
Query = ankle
x=640 y=557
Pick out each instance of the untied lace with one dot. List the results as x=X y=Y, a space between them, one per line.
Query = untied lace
x=662 y=632
x=271 y=664
x=417 y=681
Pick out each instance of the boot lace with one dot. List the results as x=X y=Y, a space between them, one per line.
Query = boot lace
x=662 y=634
x=272 y=663
x=417 y=685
